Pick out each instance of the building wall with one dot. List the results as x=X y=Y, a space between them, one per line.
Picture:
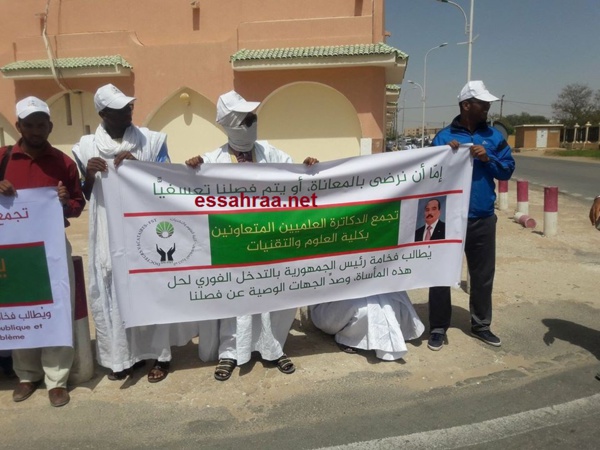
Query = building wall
x=174 y=47
x=526 y=136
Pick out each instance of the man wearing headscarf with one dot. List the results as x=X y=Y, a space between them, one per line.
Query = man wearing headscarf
x=233 y=340
x=116 y=138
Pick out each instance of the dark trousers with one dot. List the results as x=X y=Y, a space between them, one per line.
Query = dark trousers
x=480 y=250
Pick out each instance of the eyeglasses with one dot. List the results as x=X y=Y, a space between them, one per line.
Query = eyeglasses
x=250 y=119
x=479 y=102
x=125 y=109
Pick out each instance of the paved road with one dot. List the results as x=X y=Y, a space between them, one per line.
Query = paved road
x=578 y=179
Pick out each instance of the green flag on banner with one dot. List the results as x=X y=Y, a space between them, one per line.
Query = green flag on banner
x=24 y=277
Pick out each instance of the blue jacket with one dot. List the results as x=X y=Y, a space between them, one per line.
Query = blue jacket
x=500 y=166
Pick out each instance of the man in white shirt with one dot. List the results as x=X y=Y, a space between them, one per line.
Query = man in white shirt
x=232 y=340
x=117 y=138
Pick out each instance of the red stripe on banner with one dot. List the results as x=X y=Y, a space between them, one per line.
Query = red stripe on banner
x=24 y=245
x=37 y=303
x=278 y=261
x=253 y=210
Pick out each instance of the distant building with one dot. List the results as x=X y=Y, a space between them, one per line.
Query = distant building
x=538 y=136
x=322 y=70
x=430 y=132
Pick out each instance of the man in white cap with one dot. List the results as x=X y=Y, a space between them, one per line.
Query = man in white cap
x=117 y=139
x=233 y=340
x=32 y=163
x=492 y=160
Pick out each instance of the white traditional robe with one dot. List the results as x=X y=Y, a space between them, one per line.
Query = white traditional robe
x=237 y=337
x=379 y=322
x=119 y=348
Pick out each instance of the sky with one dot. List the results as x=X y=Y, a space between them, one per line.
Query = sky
x=526 y=50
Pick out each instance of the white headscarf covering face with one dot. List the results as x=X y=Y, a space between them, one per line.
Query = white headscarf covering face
x=242 y=138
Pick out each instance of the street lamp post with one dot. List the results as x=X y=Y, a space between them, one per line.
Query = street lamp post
x=403 y=108
x=425 y=90
x=423 y=114
x=468 y=32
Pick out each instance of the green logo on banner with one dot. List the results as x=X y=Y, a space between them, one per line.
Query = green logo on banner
x=24 y=277
x=276 y=235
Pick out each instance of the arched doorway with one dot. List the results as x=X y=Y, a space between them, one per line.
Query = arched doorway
x=310 y=119
x=188 y=119
x=73 y=115
x=8 y=133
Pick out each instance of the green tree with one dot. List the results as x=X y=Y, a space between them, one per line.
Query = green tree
x=512 y=120
x=576 y=103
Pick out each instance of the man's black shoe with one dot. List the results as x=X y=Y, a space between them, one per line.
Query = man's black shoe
x=435 y=342
x=487 y=336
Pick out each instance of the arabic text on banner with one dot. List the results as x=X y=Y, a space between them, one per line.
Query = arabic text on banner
x=233 y=239
x=35 y=307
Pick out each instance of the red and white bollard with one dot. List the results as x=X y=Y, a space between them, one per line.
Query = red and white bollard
x=523 y=196
x=502 y=195
x=550 y=210
x=83 y=363
x=525 y=220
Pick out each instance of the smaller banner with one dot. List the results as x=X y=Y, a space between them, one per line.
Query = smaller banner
x=35 y=307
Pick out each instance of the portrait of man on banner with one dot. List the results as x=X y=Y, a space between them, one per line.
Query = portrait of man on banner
x=431 y=220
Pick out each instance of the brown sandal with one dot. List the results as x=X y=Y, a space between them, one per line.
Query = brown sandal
x=159 y=371
x=117 y=376
x=224 y=369
x=285 y=365
x=347 y=349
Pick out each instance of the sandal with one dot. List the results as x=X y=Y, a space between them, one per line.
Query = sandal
x=224 y=369
x=347 y=349
x=285 y=364
x=159 y=371
x=117 y=376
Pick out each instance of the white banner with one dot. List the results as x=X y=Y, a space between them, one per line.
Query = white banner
x=35 y=307
x=234 y=239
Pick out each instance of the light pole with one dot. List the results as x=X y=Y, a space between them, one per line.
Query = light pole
x=425 y=89
x=423 y=115
x=403 y=109
x=468 y=32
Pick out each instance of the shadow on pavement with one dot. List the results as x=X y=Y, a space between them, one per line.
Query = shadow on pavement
x=579 y=335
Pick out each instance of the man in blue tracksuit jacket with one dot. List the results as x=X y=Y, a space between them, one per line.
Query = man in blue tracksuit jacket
x=492 y=160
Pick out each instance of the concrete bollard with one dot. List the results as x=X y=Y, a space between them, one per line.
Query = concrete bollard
x=523 y=196
x=550 y=210
x=525 y=220
x=502 y=195
x=83 y=363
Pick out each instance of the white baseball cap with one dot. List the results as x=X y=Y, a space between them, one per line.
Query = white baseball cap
x=233 y=102
x=109 y=96
x=476 y=89
x=31 y=105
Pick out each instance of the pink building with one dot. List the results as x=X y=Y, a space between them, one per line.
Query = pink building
x=320 y=68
